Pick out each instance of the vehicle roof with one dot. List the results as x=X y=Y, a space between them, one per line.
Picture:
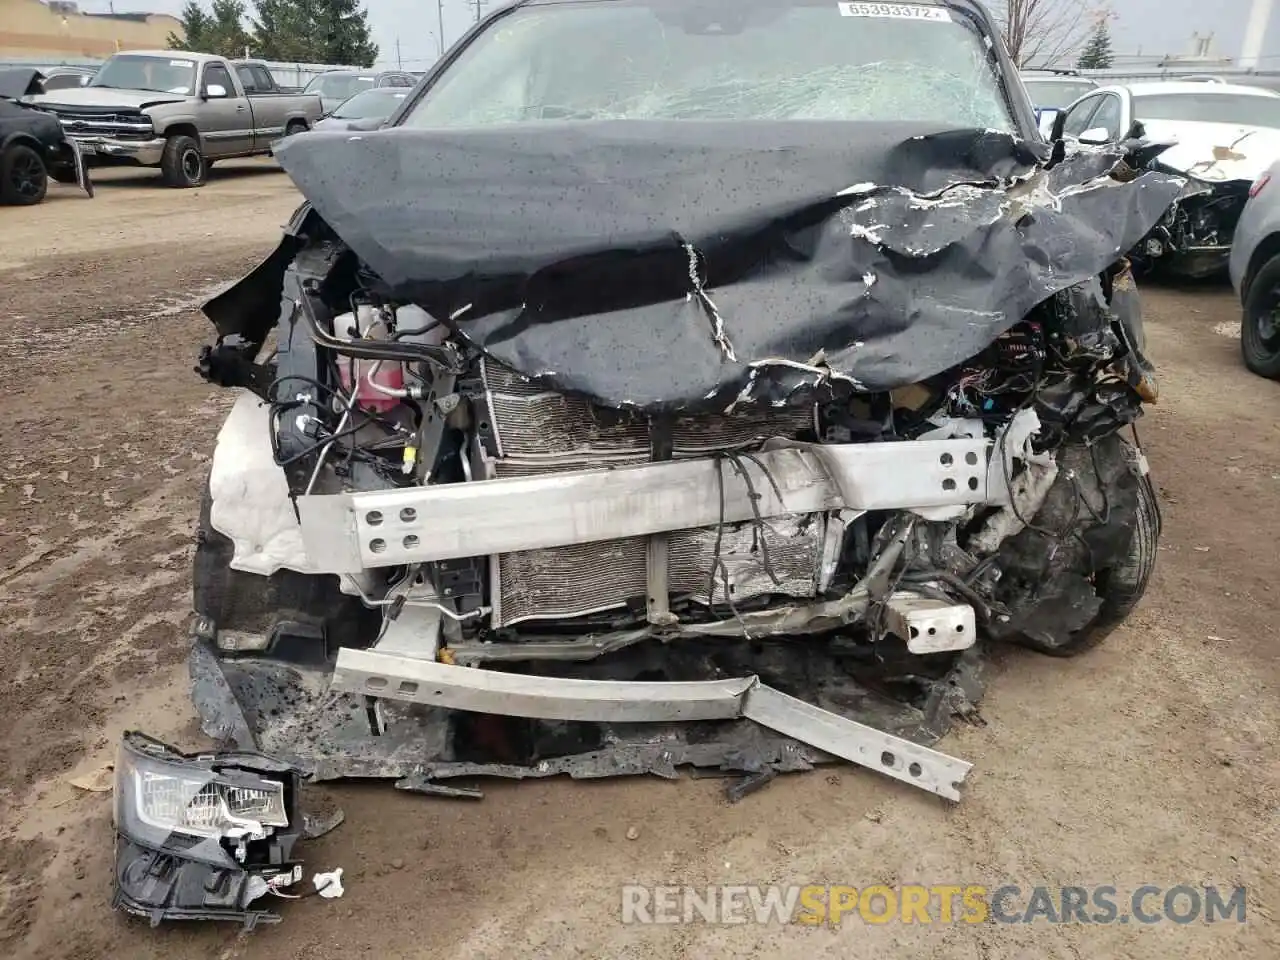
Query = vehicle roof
x=1176 y=87
x=172 y=55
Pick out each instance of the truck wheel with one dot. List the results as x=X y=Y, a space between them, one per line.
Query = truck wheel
x=1260 y=325
x=295 y=126
x=24 y=179
x=183 y=165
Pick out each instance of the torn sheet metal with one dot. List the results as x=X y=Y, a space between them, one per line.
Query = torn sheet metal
x=292 y=711
x=880 y=253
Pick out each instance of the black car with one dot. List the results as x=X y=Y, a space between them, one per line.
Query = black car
x=32 y=145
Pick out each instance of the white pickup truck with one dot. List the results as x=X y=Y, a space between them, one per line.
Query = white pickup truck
x=178 y=111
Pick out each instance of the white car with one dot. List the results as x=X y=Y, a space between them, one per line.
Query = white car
x=1051 y=92
x=1224 y=136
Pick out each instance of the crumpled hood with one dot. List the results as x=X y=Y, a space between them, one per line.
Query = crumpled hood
x=687 y=266
x=105 y=97
x=1216 y=152
x=19 y=82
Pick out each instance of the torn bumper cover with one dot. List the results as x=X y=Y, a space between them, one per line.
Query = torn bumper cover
x=202 y=836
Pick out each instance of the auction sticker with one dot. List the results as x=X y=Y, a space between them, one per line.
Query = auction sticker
x=895 y=11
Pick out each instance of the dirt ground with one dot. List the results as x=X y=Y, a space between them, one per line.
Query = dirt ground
x=1150 y=760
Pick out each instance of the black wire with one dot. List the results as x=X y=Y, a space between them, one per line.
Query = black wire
x=981 y=606
x=416 y=331
x=377 y=349
x=271 y=387
x=717 y=561
x=319 y=444
x=758 y=523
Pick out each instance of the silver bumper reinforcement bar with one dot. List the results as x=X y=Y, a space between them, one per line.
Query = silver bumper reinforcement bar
x=350 y=532
x=549 y=698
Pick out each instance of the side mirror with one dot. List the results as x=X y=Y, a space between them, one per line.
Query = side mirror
x=215 y=91
x=1095 y=136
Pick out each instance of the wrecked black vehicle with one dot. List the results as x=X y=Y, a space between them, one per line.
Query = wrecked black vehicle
x=710 y=399
x=33 y=147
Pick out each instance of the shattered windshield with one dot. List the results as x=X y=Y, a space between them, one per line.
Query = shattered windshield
x=722 y=60
x=155 y=74
x=1250 y=110
x=370 y=104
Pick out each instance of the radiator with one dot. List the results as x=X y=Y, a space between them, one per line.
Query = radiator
x=539 y=431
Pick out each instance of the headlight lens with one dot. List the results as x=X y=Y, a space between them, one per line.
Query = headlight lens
x=167 y=801
x=206 y=807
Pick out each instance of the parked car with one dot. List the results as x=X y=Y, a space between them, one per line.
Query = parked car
x=1255 y=274
x=61 y=78
x=1223 y=137
x=367 y=110
x=257 y=79
x=584 y=430
x=1050 y=92
x=335 y=87
x=177 y=111
x=33 y=147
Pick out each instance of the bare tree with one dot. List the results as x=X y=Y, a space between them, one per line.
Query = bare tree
x=1044 y=33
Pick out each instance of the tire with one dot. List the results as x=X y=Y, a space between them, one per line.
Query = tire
x=1260 y=323
x=1120 y=587
x=183 y=165
x=24 y=177
x=295 y=127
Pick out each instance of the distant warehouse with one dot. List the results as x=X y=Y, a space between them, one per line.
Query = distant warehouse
x=59 y=32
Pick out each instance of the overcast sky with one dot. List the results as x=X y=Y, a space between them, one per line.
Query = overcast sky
x=1150 y=27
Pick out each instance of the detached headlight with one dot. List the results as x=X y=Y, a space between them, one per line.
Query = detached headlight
x=205 y=807
x=166 y=800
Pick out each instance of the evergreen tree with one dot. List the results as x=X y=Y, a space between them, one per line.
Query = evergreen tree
x=314 y=31
x=221 y=31
x=342 y=29
x=283 y=31
x=1097 y=52
x=195 y=28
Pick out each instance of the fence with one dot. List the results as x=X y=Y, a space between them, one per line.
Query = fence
x=286 y=74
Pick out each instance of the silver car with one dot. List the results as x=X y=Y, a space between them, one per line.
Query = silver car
x=367 y=110
x=337 y=86
x=1255 y=274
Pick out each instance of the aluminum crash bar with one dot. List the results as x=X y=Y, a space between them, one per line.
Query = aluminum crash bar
x=549 y=698
x=350 y=532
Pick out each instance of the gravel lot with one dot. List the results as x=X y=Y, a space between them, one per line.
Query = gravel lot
x=1151 y=760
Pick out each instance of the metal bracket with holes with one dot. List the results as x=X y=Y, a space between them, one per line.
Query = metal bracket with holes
x=413 y=680
x=930 y=625
x=349 y=532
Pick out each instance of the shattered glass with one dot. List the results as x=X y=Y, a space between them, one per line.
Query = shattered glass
x=717 y=62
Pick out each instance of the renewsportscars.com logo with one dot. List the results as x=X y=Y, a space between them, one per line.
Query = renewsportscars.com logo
x=833 y=904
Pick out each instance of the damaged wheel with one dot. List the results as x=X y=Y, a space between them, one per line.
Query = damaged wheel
x=1260 y=325
x=1100 y=526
